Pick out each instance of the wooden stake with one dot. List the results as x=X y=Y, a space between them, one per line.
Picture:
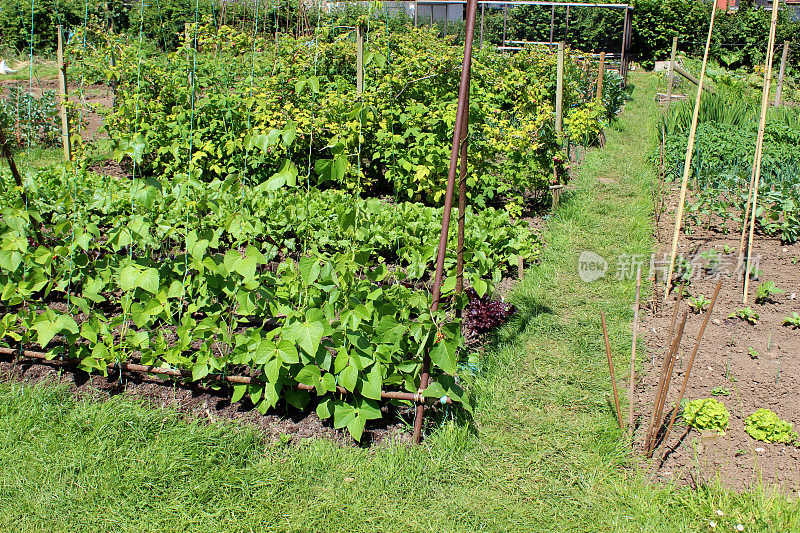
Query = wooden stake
x=689 y=364
x=759 y=145
x=633 y=352
x=62 y=92
x=505 y=21
x=416 y=13
x=671 y=76
x=359 y=59
x=552 y=26
x=601 y=69
x=689 y=152
x=559 y=86
x=520 y=268
x=611 y=369
x=784 y=57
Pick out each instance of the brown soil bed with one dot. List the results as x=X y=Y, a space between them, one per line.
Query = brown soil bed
x=197 y=402
x=757 y=365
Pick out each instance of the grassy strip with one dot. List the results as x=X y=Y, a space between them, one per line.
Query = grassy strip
x=548 y=455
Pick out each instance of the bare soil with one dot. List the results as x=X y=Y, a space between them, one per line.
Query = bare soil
x=199 y=402
x=746 y=367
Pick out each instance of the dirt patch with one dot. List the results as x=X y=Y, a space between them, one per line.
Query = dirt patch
x=284 y=423
x=746 y=367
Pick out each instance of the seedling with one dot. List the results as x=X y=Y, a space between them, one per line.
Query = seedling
x=745 y=313
x=766 y=291
x=713 y=260
x=721 y=391
x=698 y=304
x=755 y=273
x=792 y=320
x=727 y=249
x=753 y=353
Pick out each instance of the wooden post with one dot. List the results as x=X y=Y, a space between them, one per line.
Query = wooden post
x=689 y=152
x=505 y=21
x=483 y=15
x=520 y=268
x=566 y=27
x=601 y=69
x=416 y=13
x=781 y=72
x=759 y=145
x=671 y=74
x=552 y=25
x=559 y=85
x=62 y=90
x=359 y=59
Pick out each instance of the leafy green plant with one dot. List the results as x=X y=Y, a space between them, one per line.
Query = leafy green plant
x=745 y=313
x=766 y=291
x=792 y=320
x=699 y=304
x=721 y=391
x=764 y=425
x=706 y=414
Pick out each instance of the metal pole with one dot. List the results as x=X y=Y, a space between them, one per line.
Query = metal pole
x=462 y=194
x=483 y=15
x=472 y=6
x=626 y=44
x=780 y=74
x=416 y=13
x=671 y=76
x=62 y=89
x=624 y=40
x=505 y=21
x=559 y=85
x=552 y=25
x=359 y=59
x=566 y=28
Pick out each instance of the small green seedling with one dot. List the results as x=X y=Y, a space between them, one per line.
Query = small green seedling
x=713 y=260
x=755 y=273
x=721 y=391
x=745 y=313
x=753 y=353
x=764 y=425
x=698 y=304
x=792 y=320
x=727 y=249
x=766 y=291
x=706 y=414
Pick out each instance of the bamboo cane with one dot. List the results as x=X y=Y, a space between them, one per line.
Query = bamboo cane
x=665 y=379
x=611 y=369
x=689 y=151
x=690 y=363
x=759 y=144
x=633 y=351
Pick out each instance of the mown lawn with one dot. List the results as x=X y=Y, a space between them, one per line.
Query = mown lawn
x=547 y=455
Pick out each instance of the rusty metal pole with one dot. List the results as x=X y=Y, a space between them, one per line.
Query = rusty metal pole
x=463 y=91
x=505 y=21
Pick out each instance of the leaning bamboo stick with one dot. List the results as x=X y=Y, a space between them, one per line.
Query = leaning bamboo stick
x=759 y=144
x=633 y=352
x=611 y=369
x=664 y=365
x=661 y=399
x=688 y=163
x=691 y=359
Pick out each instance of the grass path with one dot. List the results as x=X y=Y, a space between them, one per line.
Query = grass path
x=548 y=455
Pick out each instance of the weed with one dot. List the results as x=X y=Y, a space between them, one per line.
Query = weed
x=745 y=313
